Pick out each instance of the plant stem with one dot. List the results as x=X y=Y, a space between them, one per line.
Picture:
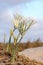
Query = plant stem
x=8 y=47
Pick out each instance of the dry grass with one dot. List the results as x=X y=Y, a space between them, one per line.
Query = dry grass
x=22 y=46
x=21 y=60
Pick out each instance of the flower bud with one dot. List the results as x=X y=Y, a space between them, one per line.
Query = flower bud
x=11 y=32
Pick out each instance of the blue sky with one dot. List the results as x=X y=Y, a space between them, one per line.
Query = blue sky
x=28 y=8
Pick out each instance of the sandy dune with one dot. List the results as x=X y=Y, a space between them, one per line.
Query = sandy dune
x=34 y=53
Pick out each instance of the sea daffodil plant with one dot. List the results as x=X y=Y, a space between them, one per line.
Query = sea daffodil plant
x=22 y=24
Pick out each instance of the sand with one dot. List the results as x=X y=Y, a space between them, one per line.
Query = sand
x=33 y=54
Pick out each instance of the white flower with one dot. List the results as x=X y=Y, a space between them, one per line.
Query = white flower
x=15 y=22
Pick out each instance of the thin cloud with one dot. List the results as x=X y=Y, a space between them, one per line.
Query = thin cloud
x=15 y=1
